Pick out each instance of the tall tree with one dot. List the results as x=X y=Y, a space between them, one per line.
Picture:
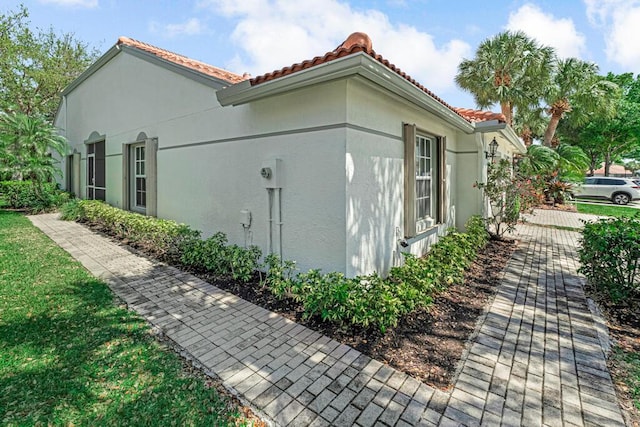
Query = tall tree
x=36 y=65
x=576 y=88
x=511 y=69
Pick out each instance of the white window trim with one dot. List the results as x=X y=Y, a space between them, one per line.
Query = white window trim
x=412 y=225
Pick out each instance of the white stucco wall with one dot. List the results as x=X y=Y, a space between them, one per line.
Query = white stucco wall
x=375 y=177
x=209 y=157
x=341 y=149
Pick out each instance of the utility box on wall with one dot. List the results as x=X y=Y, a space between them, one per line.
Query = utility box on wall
x=271 y=173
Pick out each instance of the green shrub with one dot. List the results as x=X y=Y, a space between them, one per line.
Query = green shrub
x=372 y=300
x=163 y=238
x=610 y=256
x=32 y=197
x=168 y=240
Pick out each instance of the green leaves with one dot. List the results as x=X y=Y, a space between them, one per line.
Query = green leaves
x=32 y=197
x=26 y=147
x=36 y=66
x=610 y=256
x=372 y=300
x=169 y=240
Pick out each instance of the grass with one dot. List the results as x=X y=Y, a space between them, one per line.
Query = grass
x=70 y=356
x=606 y=210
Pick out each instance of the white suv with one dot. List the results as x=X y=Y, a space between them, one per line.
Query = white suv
x=619 y=190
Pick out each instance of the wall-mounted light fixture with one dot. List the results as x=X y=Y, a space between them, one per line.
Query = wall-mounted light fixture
x=493 y=149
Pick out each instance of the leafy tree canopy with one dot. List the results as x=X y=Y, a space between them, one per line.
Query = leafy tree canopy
x=35 y=66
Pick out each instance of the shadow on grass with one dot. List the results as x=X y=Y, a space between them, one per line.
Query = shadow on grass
x=96 y=363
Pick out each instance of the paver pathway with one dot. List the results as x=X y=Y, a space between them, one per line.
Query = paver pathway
x=535 y=361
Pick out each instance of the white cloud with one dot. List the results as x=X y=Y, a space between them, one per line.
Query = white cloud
x=89 y=4
x=272 y=34
x=190 y=27
x=559 y=33
x=620 y=22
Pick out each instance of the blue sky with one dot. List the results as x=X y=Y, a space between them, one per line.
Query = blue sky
x=426 y=38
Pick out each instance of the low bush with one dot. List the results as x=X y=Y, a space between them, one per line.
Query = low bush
x=32 y=197
x=168 y=240
x=610 y=256
x=372 y=300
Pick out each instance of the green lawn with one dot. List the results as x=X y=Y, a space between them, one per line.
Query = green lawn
x=69 y=356
x=607 y=210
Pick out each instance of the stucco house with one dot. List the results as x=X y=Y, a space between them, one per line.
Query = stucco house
x=340 y=162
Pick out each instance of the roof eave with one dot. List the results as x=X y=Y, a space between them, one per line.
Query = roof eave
x=356 y=64
x=505 y=130
x=205 y=79
x=100 y=62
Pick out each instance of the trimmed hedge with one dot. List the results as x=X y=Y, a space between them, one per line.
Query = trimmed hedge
x=168 y=240
x=32 y=197
x=610 y=256
x=366 y=301
x=375 y=301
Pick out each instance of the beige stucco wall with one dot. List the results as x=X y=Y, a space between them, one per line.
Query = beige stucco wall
x=209 y=157
x=375 y=177
x=340 y=144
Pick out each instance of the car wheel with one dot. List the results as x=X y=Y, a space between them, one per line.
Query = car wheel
x=620 y=199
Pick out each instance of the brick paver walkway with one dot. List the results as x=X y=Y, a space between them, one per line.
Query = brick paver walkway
x=560 y=218
x=535 y=361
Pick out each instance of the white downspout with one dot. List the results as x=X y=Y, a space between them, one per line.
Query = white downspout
x=278 y=219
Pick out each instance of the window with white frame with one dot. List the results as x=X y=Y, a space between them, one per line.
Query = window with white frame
x=424 y=180
x=139 y=182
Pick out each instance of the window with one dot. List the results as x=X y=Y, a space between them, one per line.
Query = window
x=95 y=171
x=424 y=180
x=139 y=182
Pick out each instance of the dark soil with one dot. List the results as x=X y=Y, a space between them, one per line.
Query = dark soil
x=426 y=344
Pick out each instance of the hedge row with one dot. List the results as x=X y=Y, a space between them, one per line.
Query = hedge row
x=364 y=300
x=375 y=301
x=168 y=240
x=32 y=197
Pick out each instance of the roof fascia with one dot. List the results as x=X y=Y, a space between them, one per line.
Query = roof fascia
x=92 y=69
x=355 y=64
x=149 y=57
x=505 y=130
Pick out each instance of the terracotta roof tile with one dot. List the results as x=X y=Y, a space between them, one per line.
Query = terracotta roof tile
x=198 y=66
x=480 y=116
x=360 y=42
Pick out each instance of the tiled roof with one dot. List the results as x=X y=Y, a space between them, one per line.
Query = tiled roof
x=184 y=61
x=360 y=42
x=480 y=116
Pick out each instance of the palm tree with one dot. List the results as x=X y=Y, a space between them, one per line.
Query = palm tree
x=510 y=69
x=576 y=87
x=529 y=124
x=26 y=147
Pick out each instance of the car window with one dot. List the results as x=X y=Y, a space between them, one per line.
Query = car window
x=590 y=180
x=610 y=181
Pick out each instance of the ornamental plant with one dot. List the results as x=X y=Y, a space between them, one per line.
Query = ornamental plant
x=506 y=196
x=610 y=256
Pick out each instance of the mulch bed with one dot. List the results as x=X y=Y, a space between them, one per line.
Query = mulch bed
x=428 y=343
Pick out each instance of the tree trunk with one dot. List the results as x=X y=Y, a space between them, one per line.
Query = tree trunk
x=505 y=107
x=607 y=164
x=551 y=129
x=527 y=136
